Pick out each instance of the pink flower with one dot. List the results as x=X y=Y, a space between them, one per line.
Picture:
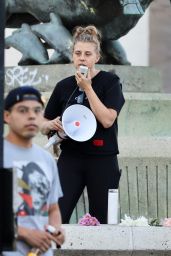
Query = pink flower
x=88 y=220
x=167 y=222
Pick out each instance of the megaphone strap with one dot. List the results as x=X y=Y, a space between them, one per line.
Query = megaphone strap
x=67 y=104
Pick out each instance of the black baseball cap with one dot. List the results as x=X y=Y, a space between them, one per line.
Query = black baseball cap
x=22 y=93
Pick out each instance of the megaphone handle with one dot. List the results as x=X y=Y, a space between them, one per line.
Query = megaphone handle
x=51 y=133
x=61 y=135
x=53 y=140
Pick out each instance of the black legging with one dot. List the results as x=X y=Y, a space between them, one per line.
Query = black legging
x=97 y=173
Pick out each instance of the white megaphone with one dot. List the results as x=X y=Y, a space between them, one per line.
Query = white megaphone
x=79 y=123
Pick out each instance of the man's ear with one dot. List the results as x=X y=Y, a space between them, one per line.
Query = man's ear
x=6 y=116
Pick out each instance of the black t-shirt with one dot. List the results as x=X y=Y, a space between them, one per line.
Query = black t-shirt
x=109 y=90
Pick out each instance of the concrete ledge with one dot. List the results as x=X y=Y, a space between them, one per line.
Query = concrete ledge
x=116 y=240
x=145 y=114
x=45 y=77
x=145 y=147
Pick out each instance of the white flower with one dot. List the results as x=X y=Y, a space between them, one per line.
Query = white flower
x=128 y=221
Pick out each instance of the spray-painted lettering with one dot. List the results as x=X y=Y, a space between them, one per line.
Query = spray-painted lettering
x=18 y=76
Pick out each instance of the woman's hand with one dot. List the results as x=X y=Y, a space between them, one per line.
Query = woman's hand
x=55 y=124
x=52 y=125
x=82 y=81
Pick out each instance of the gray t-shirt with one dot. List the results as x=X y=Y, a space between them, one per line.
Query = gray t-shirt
x=38 y=186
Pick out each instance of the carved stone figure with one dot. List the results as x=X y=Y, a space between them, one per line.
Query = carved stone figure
x=56 y=19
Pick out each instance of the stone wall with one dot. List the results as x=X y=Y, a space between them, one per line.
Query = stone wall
x=144 y=133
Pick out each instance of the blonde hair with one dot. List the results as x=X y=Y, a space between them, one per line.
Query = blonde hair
x=88 y=34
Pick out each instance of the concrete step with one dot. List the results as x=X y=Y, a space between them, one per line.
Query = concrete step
x=115 y=240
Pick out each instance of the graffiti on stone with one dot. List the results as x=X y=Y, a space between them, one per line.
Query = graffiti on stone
x=18 y=76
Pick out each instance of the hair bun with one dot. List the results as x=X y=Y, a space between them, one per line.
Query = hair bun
x=88 y=34
x=89 y=30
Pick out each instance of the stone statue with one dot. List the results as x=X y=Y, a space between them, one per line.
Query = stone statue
x=50 y=25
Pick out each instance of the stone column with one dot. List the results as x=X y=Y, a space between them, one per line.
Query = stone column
x=160 y=40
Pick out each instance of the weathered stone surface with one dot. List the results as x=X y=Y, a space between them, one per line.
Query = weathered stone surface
x=45 y=77
x=145 y=146
x=145 y=114
x=115 y=240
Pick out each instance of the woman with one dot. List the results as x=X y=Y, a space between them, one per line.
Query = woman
x=92 y=163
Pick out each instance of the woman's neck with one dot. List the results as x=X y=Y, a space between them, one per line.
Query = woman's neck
x=94 y=72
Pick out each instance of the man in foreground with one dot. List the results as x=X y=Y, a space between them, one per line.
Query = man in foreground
x=38 y=187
